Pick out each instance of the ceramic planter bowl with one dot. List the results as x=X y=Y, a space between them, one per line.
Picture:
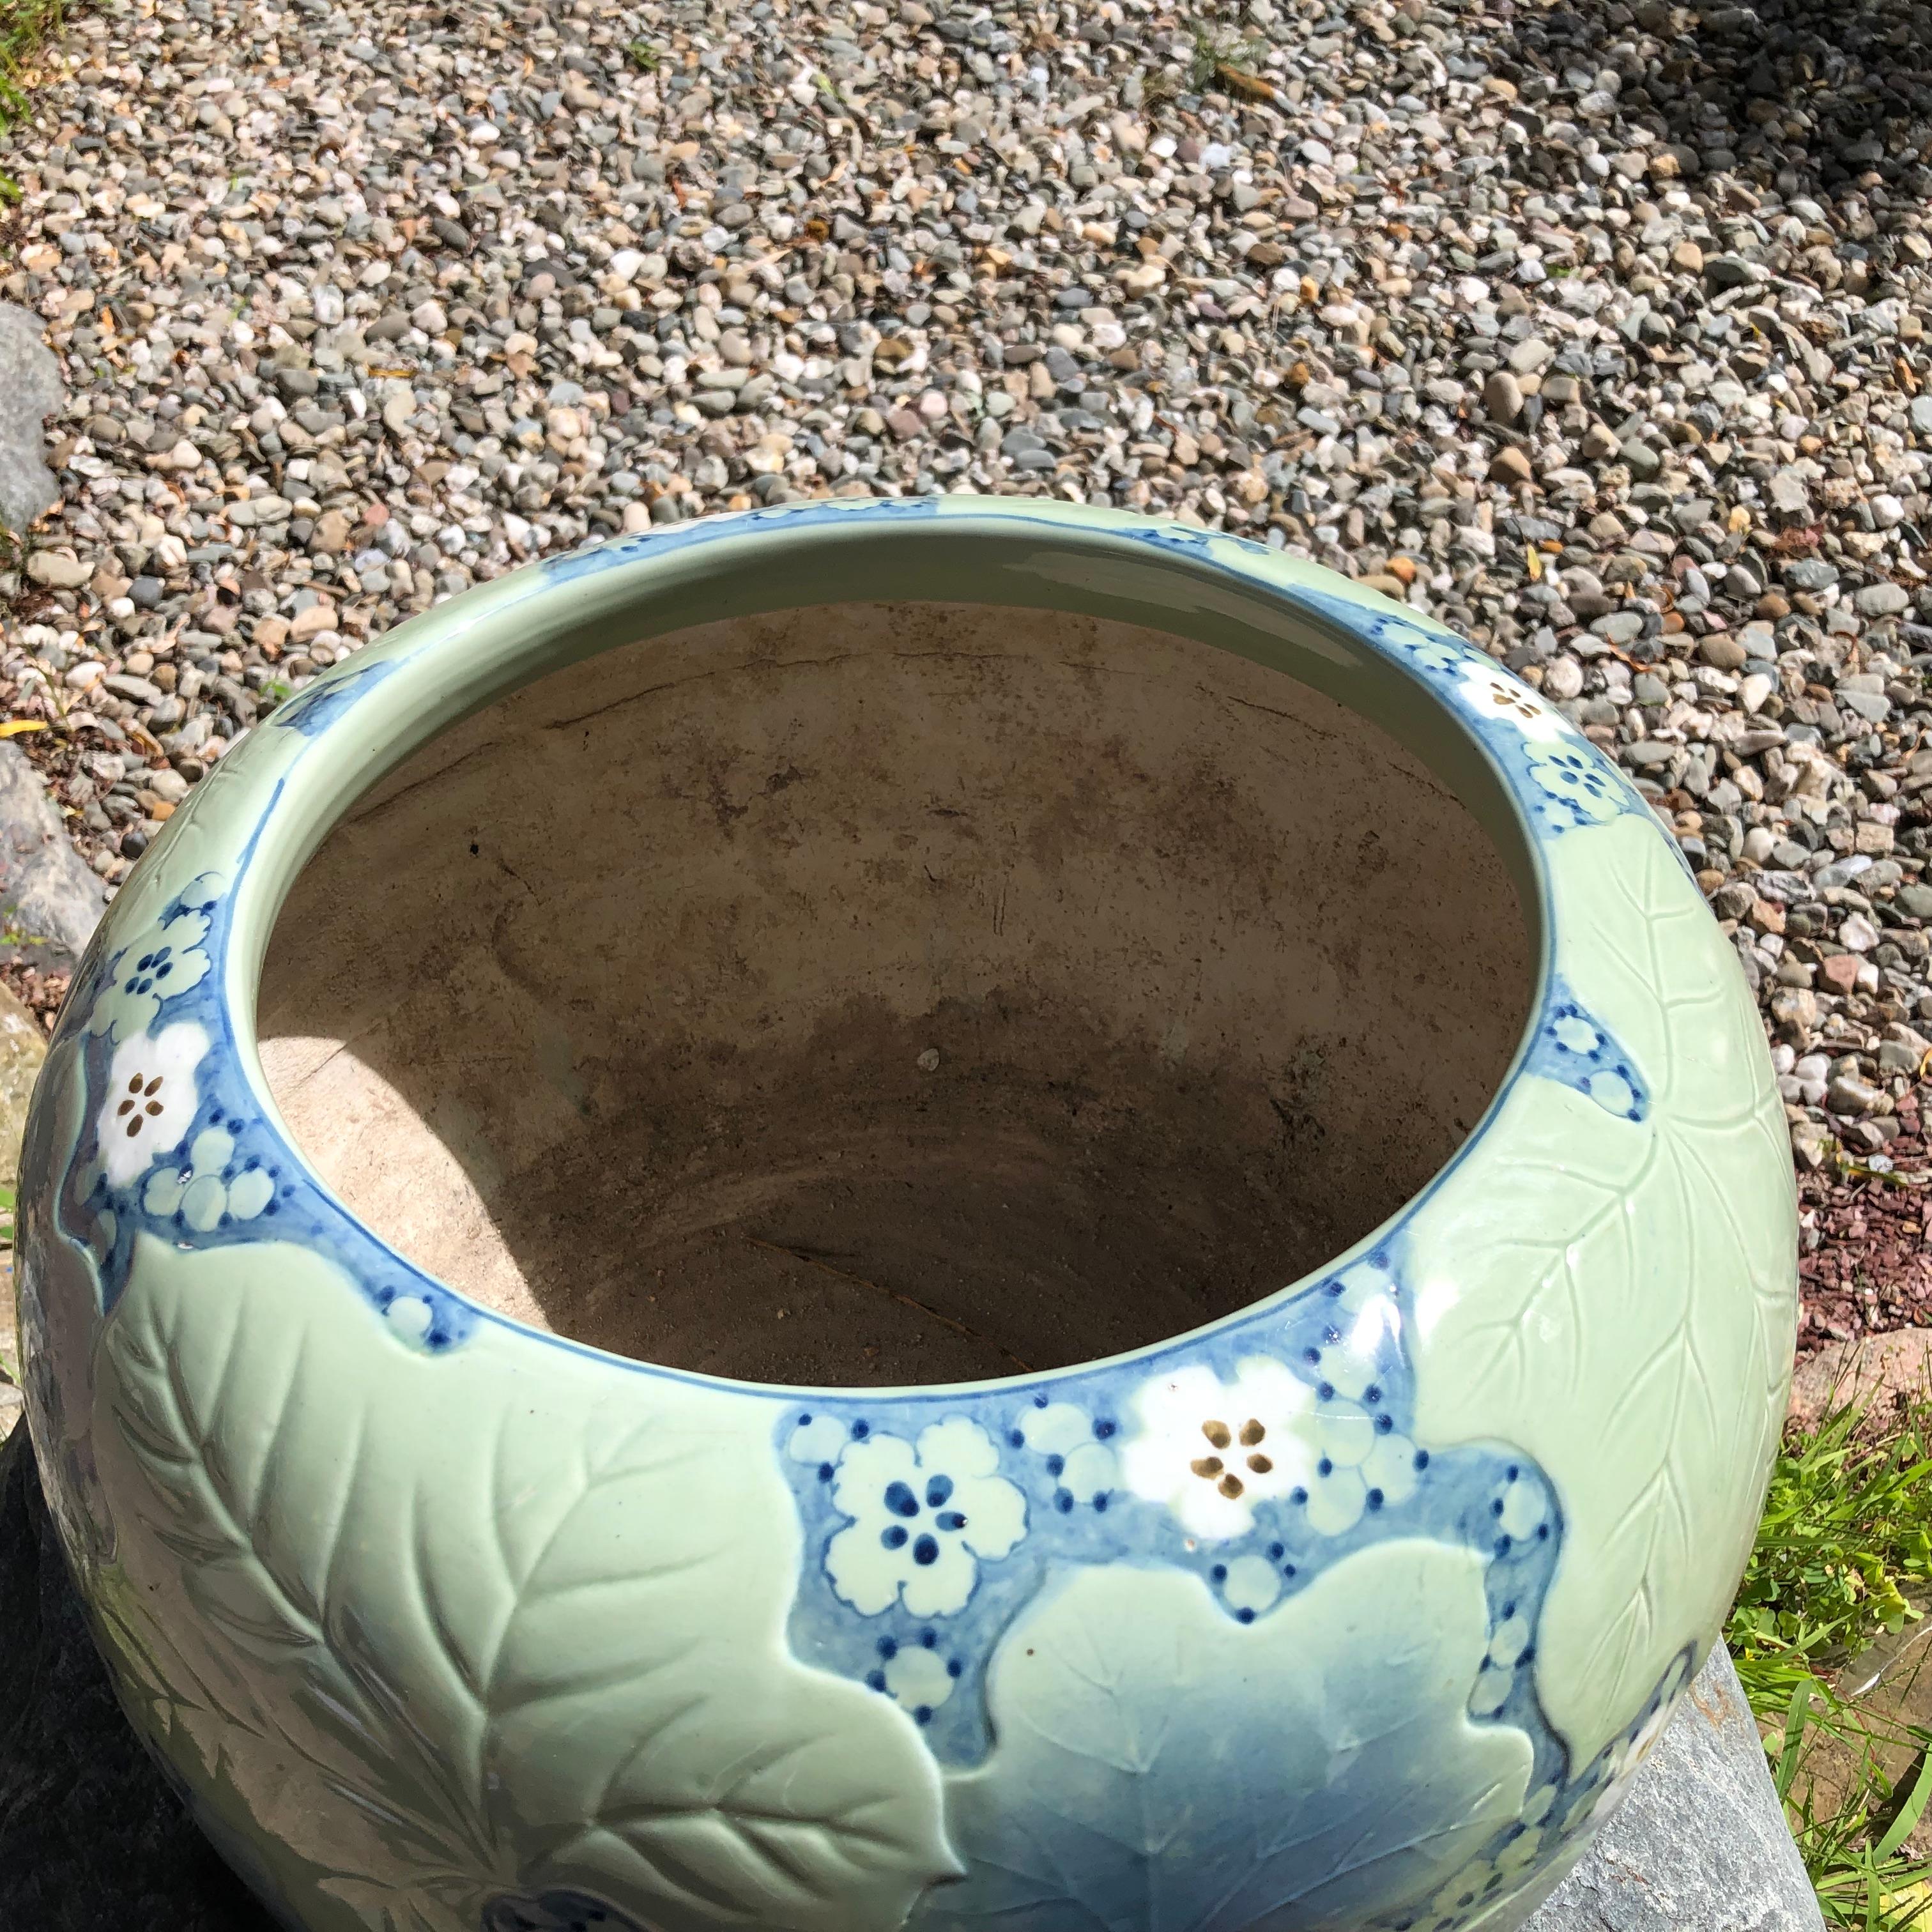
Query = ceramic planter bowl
x=941 y=1212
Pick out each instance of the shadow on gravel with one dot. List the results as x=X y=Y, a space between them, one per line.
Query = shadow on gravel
x=1814 y=98
x=91 y=1838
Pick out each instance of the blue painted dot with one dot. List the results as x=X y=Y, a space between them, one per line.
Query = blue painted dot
x=1374 y=1499
x=1325 y=1467
x=894 y=1537
x=900 y=1499
x=1040 y=1402
x=1528 y=1657
x=1543 y=1532
x=889 y=1648
x=1274 y=1552
x=1511 y=1473
x=954 y=1519
x=1288 y=1569
x=273 y=1208
x=1016 y=1438
x=1311 y=1355
x=1503 y=1545
x=1055 y=1465
x=922 y=1713
x=1219 y=1573
x=1244 y=1616
x=1384 y=1424
x=876 y=1679
x=938 y=1491
x=1063 y=1501
x=1507 y=1611
x=925 y=1551
x=1331 y=1335
x=928 y=1639
x=1326 y=1391
x=805 y=1418
x=1103 y=1428
x=1298 y=1494
x=1496 y=1508
x=1371 y=1394
x=1422 y=1458
x=825 y=1472
x=1100 y=1501
x=954 y=1667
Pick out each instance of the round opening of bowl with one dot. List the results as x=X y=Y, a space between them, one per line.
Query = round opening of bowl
x=893 y=993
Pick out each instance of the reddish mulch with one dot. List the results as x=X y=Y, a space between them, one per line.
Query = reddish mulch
x=40 y=993
x=1865 y=1261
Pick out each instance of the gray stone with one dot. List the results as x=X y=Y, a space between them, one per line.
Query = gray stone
x=1644 y=461
x=1700 y=1843
x=30 y=392
x=1729 y=271
x=1849 y=1095
x=58 y=571
x=49 y=901
x=1882 y=600
x=1562 y=677
x=23 y=1047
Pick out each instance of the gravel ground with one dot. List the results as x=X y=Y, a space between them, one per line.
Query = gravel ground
x=1600 y=334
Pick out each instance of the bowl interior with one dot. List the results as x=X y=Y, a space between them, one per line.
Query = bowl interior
x=893 y=993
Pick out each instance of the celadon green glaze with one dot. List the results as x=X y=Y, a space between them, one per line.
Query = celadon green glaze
x=444 y=1625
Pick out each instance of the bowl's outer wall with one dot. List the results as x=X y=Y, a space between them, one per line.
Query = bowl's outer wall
x=442 y=1623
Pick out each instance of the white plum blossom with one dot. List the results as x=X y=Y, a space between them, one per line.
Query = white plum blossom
x=923 y=1517
x=165 y=961
x=206 y=1188
x=1210 y=1450
x=151 y=1100
x=1519 y=1507
x=1576 y=776
x=410 y=1319
x=1362 y=1464
x=1486 y=688
x=1436 y=654
x=817 y=1439
x=1509 y=1645
x=1249 y=1584
x=917 y=1676
x=1084 y=1470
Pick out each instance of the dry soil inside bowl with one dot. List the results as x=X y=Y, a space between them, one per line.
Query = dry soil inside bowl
x=890 y=994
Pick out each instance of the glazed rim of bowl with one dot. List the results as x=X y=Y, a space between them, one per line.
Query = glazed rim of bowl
x=267 y=807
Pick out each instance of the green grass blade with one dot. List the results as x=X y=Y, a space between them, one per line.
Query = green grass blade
x=1909 y=1813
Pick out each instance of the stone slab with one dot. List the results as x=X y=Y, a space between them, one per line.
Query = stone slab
x=30 y=392
x=1700 y=1841
x=49 y=902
